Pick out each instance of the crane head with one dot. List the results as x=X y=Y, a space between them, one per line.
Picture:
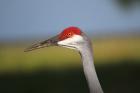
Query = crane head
x=71 y=37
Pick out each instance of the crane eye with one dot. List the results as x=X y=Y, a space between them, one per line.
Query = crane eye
x=69 y=34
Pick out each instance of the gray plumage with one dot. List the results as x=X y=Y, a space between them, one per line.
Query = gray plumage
x=86 y=53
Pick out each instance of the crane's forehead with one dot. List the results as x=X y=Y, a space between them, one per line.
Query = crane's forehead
x=69 y=30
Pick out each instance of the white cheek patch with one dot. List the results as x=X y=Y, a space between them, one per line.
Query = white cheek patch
x=71 y=41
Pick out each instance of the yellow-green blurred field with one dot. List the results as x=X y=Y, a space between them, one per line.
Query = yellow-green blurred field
x=59 y=70
x=106 y=51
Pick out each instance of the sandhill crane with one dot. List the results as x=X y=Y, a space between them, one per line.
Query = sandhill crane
x=74 y=38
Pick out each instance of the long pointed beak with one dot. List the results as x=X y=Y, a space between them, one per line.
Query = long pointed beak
x=50 y=42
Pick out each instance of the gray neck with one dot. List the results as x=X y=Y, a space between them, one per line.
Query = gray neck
x=89 y=69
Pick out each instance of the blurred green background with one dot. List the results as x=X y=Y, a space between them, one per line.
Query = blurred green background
x=114 y=31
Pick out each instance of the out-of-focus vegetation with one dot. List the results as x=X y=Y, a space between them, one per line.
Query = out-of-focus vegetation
x=106 y=51
x=128 y=3
x=59 y=70
x=117 y=78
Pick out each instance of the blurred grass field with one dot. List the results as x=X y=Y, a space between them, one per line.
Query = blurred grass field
x=106 y=51
x=59 y=70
